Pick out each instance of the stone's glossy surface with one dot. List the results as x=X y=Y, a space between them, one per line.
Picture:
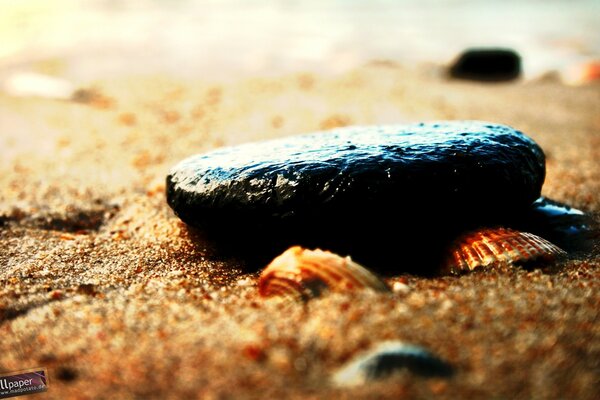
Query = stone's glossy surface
x=354 y=180
x=302 y=274
x=488 y=246
x=388 y=358
x=487 y=64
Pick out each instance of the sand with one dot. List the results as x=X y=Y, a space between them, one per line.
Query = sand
x=103 y=285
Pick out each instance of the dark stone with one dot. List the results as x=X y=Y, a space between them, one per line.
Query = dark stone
x=389 y=358
x=66 y=374
x=339 y=189
x=567 y=227
x=487 y=65
x=87 y=288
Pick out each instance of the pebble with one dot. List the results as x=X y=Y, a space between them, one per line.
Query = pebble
x=487 y=64
x=32 y=84
x=399 y=287
x=388 y=358
x=352 y=182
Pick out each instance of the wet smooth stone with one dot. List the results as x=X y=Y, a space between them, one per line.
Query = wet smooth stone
x=487 y=64
x=344 y=186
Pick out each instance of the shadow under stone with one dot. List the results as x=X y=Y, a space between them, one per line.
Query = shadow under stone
x=416 y=244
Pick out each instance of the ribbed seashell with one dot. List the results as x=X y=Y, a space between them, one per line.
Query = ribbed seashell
x=304 y=274
x=388 y=358
x=489 y=246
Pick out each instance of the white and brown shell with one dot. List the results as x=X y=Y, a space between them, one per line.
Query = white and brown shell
x=303 y=274
x=489 y=246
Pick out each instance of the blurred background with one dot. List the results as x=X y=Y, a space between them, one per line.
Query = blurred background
x=82 y=40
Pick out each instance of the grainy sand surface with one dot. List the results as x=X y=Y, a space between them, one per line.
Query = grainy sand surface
x=104 y=286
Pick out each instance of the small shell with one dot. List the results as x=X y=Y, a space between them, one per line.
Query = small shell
x=489 y=246
x=303 y=274
x=388 y=358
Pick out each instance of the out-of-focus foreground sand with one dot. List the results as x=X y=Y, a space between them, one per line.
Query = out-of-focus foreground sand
x=104 y=286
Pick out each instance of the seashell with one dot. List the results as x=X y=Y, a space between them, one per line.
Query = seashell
x=489 y=246
x=304 y=274
x=388 y=358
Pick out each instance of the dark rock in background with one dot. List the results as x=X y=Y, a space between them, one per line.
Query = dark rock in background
x=490 y=65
